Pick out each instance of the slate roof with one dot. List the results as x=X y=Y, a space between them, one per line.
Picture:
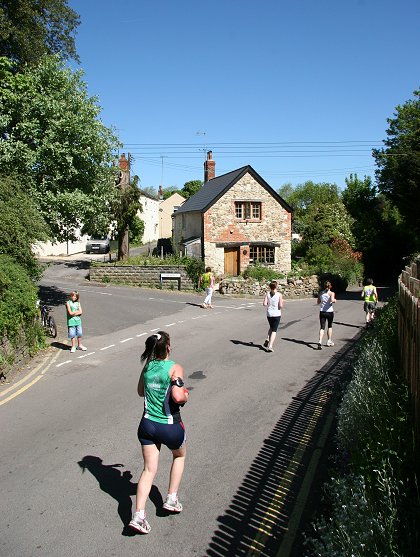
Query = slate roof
x=214 y=189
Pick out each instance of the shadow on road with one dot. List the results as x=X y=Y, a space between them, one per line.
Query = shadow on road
x=265 y=515
x=250 y=344
x=53 y=296
x=118 y=485
x=312 y=345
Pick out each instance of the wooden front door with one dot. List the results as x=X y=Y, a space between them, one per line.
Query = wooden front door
x=232 y=261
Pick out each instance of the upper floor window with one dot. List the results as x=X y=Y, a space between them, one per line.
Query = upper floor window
x=248 y=210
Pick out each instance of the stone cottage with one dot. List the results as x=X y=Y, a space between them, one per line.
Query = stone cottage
x=233 y=221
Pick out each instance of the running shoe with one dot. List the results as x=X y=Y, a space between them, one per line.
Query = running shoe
x=265 y=343
x=139 y=524
x=270 y=349
x=73 y=349
x=172 y=506
x=319 y=346
x=330 y=343
x=81 y=347
x=204 y=306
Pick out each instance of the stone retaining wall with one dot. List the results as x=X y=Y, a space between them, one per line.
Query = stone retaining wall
x=12 y=358
x=145 y=275
x=304 y=287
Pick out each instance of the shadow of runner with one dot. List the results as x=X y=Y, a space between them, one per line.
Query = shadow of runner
x=264 y=515
x=118 y=485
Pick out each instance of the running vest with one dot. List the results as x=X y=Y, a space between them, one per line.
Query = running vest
x=325 y=301
x=206 y=279
x=158 y=403
x=74 y=320
x=273 y=305
x=369 y=293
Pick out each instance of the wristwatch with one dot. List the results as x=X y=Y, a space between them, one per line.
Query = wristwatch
x=178 y=382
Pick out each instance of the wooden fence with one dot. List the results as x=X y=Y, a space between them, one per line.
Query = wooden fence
x=409 y=334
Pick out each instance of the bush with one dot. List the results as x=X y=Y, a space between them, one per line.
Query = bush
x=261 y=273
x=373 y=498
x=18 y=311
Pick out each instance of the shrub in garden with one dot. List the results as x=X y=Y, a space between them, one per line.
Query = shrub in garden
x=373 y=497
x=261 y=273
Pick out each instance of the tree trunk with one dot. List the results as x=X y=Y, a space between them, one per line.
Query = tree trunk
x=123 y=245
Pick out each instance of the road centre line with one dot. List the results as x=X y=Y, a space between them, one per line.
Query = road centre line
x=153 y=330
x=170 y=324
x=141 y=335
x=106 y=347
x=126 y=340
x=63 y=363
x=86 y=355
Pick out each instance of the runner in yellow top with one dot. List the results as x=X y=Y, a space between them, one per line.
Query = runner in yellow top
x=370 y=297
x=207 y=280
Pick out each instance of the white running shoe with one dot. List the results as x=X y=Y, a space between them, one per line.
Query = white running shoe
x=173 y=506
x=139 y=524
x=73 y=349
x=330 y=343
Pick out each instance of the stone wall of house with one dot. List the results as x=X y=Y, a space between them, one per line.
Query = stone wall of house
x=222 y=228
x=304 y=287
x=136 y=275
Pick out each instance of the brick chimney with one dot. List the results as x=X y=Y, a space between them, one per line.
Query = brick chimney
x=124 y=165
x=209 y=167
x=160 y=193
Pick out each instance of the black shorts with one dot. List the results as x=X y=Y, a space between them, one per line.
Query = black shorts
x=155 y=433
x=369 y=307
x=326 y=317
x=274 y=323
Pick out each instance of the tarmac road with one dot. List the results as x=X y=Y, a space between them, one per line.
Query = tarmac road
x=255 y=423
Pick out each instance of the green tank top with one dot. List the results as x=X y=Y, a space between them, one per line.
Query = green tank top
x=206 y=280
x=74 y=320
x=158 y=403
x=369 y=293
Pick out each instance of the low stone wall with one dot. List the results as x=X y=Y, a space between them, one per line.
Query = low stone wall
x=145 y=275
x=12 y=358
x=303 y=287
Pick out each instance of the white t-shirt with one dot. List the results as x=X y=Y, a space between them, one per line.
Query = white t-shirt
x=273 y=304
x=325 y=301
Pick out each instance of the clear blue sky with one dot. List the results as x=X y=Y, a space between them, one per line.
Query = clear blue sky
x=300 y=90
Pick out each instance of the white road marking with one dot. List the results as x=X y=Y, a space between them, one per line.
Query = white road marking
x=126 y=340
x=86 y=355
x=106 y=347
x=63 y=363
x=170 y=324
x=141 y=335
x=152 y=330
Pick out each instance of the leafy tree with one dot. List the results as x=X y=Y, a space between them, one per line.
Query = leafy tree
x=125 y=209
x=285 y=191
x=307 y=196
x=398 y=172
x=167 y=192
x=29 y=29
x=21 y=225
x=50 y=135
x=325 y=223
x=190 y=188
x=150 y=191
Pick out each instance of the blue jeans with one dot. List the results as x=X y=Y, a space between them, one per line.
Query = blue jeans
x=75 y=331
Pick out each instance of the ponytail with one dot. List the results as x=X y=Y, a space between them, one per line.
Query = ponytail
x=156 y=347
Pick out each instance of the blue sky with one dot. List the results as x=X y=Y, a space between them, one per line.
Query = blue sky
x=300 y=90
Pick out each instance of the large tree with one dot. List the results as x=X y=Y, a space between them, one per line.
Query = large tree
x=29 y=29
x=190 y=188
x=51 y=134
x=398 y=172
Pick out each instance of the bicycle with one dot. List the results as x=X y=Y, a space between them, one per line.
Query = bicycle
x=47 y=320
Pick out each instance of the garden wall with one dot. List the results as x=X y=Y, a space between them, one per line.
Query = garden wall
x=145 y=275
x=304 y=287
x=12 y=358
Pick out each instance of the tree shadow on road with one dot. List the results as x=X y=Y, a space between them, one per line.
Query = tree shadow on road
x=281 y=490
x=53 y=296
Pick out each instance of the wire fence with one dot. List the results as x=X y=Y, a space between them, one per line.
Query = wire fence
x=409 y=334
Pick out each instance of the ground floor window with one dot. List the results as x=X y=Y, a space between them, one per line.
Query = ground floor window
x=261 y=254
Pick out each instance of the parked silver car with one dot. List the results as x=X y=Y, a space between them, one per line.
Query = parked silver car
x=98 y=245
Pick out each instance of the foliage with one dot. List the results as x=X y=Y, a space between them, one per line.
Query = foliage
x=261 y=273
x=310 y=196
x=285 y=191
x=51 y=136
x=378 y=228
x=125 y=212
x=398 y=172
x=170 y=190
x=21 y=225
x=29 y=29
x=136 y=230
x=190 y=188
x=373 y=496
x=325 y=223
x=149 y=191
x=18 y=296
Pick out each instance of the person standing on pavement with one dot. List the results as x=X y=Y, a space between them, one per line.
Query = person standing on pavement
x=207 y=280
x=162 y=386
x=273 y=301
x=74 y=322
x=326 y=299
x=370 y=297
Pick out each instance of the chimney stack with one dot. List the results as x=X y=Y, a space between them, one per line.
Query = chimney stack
x=209 y=167
x=160 y=193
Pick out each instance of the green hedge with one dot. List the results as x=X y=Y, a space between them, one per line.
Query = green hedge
x=373 y=497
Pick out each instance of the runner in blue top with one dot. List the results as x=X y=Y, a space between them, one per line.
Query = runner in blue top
x=162 y=386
